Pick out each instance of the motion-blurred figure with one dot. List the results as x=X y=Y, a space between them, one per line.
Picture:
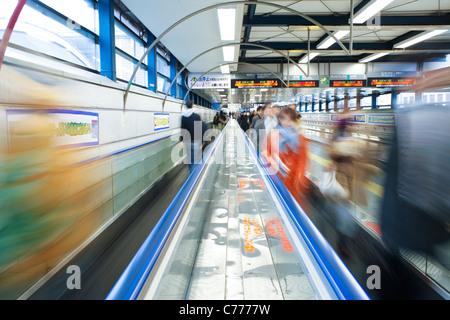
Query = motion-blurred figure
x=416 y=208
x=193 y=132
x=47 y=207
x=264 y=125
x=223 y=120
x=286 y=153
x=343 y=182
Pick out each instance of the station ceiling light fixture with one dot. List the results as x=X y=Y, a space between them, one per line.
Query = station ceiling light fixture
x=228 y=54
x=329 y=41
x=419 y=38
x=227 y=23
x=373 y=57
x=225 y=69
x=309 y=57
x=369 y=10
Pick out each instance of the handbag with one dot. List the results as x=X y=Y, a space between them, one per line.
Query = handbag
x=330 y=187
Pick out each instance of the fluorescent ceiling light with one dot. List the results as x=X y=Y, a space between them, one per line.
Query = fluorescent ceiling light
x=308 y=57
x=228 y=54
x=369 y=10
x=419 y=38
x=328 y=42
x=373 y=57
x=227 y=23
x=225 y=69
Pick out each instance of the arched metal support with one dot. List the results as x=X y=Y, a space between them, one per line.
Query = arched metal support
x=225 y=45
x=269 y=4
x=227 y=64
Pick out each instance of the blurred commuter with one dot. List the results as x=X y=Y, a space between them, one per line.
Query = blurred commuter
x=264 y=125
x=193 y=131
x=216 y=120
x=47 y=206
x=223 y=120
x=415 y=213
x=259 y=115
x=286 y=153
x=343 y=181
x=244 y=122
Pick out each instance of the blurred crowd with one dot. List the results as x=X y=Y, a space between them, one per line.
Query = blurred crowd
x=414 y=212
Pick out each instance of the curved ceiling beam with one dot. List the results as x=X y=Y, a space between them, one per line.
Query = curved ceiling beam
x=225 y=45
x=278 y=6
x=227 y=64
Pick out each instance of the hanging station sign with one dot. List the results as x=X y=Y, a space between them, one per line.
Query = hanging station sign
x=255 y=83
x=210 y=81
x=392 y=82
x=304 y=83
x=348 y=83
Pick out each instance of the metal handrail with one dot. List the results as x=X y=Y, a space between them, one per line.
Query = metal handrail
x=138 y=270
x=340 y=278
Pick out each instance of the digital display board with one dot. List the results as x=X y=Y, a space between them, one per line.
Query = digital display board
x=348 y=83
x=392 y=82
x=304 y=84
x=256 y=83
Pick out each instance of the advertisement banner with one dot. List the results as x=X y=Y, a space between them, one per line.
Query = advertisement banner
x=162 y=121
x=67 y=128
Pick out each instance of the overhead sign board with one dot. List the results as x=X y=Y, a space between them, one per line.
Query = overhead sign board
x=304 y=84
x=210 y=81
x=256 y=83
x=348 y=83
x=391 y=82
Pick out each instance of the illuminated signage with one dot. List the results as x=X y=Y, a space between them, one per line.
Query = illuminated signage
x=348 y=83
x=392 y=82
x=256 y=83
x=304 y=84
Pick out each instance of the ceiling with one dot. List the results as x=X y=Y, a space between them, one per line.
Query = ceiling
x=287 y=32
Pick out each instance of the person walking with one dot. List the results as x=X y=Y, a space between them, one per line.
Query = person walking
x=192 y=135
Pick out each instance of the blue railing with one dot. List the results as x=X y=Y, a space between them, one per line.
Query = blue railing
x=339 y=277
x=138 y=270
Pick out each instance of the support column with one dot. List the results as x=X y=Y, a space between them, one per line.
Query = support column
x=375 y=94
x=107 y=39
x=394 y=96
x=173 y=74
x=151 y=64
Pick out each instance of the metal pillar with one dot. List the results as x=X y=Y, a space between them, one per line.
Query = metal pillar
x=374 y=99
x=173 y=74
x=394 y=96
x=107 y=39
x=151 y=64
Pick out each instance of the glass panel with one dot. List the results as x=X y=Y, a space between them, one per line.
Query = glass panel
x=80 y=11
x=163 y=84
x=127 y=43
x=38 y=32
x=163 y=67
x=384 y=100
x=125 y=68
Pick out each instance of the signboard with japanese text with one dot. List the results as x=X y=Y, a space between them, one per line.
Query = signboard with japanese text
x=348 y=83
x=304 y=84
x=209 y=81
x=256 y=83
x=391 y=82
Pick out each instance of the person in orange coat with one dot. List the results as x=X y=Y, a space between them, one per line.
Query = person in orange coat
x=286 y=152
